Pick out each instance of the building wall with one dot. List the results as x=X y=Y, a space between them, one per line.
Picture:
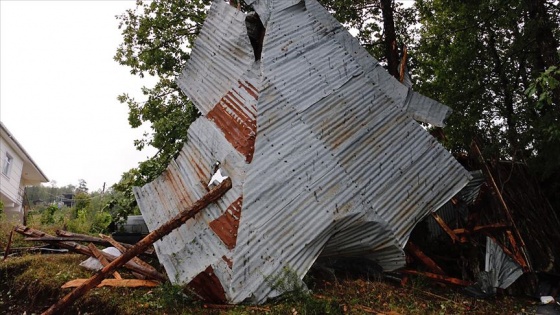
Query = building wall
x=10 y=184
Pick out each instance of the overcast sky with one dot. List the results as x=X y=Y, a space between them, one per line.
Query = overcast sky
x=59 y=85
x=58 y=89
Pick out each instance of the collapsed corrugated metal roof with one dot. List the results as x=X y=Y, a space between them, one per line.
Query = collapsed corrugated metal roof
x=322 y=147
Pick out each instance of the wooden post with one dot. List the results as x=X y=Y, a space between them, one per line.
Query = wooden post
x=7 y=251
x=213 y=195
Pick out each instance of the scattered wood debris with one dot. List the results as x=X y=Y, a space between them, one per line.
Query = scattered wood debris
x=213 y=195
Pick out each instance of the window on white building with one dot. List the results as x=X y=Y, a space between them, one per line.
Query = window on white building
x=8 y=159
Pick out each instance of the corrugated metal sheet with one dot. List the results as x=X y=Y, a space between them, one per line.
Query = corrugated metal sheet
x=322 y=148
x=501 y=269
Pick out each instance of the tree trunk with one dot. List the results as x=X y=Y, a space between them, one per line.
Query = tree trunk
x=391 y=51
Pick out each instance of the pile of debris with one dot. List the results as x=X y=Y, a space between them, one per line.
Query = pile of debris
x=498 y=233
x=322 y=146
x=327 y=160
x=146 y=275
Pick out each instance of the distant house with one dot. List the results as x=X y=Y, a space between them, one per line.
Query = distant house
x=67 y=199
x=17 y=170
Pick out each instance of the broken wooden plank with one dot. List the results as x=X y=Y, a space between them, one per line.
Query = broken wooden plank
x=99 y=255
x=122 y=249
x=58 y=239
x=516 y=251
x=445 y=227
x=70 y=236
x=128 y=283
x=440 y=278
x=75 y=247
x=213 y=195
x=482 y=228
x=427 y=261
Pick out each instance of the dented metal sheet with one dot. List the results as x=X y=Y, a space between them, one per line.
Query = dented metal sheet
x=322 y=147
x=502 y=271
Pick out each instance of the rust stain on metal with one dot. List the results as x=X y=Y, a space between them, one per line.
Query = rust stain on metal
x=202 y=174
x=208 y=286
x=228 y=261
x=176 y=184
x=226 y=225
x=252 y=90
x=239 y=127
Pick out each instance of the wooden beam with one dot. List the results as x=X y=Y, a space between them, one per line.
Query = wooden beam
x=75 y=247
x=213 y=195
x=99 y=255
x=122 y=249
x=508 y=252
x=482 y=228
x=445 y=227
x=69 y=236
x=427 y=261
x=128 y=283
x=516 y=252
x=439 y=278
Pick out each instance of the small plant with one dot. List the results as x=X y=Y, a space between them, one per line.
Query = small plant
x=47 y=216
x=295 y=292
x=288 y=283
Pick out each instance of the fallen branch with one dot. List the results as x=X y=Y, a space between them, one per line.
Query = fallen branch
x=213 y=195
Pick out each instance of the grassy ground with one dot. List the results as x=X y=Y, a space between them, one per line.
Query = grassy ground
x=31 y=283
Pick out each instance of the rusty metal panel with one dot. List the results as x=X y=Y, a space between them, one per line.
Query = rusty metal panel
x=346 y=147
x=195 y=244
x=322 y=148
x=223 y=54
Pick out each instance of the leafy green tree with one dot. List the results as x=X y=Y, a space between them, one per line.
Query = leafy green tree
x=480 y=58
x=82 y=187
x=157 y=39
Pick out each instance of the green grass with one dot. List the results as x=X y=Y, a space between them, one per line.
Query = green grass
x=32 y=283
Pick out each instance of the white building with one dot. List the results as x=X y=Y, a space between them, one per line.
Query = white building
x=17 y=170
